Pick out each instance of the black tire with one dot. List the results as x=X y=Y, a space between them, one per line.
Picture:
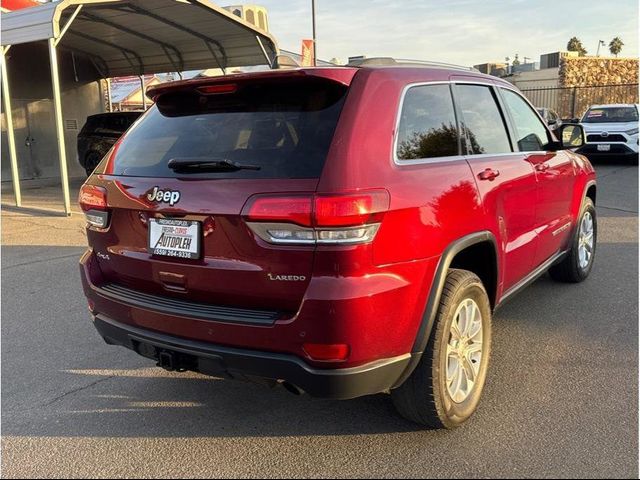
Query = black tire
x=91 y=162
x=569 y=269
x=424 y=398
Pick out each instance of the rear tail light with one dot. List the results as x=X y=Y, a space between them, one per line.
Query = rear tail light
x=326 y=353
x=351 y=209
x=92 y=198
x=93 y=202
x=290 y=209
x=317 y=219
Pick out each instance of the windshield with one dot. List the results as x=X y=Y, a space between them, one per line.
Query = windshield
x=611 y=115
x=284 y=127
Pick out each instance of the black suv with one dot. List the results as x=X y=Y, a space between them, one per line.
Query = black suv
x=99 y=134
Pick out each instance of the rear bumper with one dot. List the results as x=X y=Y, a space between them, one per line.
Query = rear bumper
x=215 y=360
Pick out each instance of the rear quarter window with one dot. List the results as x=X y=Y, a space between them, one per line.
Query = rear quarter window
x=427 y=126
x=285 y=127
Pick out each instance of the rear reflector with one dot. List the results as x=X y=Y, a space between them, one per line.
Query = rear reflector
x=218 y=89
x=326 y=353
x=92 y=198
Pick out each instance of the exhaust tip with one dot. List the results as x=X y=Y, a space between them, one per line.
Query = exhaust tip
x=292 y=388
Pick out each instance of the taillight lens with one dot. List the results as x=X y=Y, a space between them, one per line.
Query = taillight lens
x=93 y=202
x=92 y=198
x=350 y=209
x=317 y=219
x=291 y=209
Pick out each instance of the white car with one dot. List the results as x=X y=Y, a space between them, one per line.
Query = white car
x=611 y=130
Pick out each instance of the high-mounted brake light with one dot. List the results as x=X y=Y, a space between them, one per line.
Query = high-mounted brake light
x=218 y=89
x=317 y=219
x=93 y=202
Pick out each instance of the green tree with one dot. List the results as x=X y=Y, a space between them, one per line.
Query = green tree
x=615 y=46
x=575 y=45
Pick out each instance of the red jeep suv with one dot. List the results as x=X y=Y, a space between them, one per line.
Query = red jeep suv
x=340 y=231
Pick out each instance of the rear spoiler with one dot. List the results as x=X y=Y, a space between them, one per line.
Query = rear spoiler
x=342 y=75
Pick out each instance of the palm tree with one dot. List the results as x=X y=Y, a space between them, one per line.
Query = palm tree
x=575 y=45
x=615 y=46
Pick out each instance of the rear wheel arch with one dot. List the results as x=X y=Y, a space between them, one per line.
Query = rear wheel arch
x=480 y=258
x=591 y=192
x=459 y=254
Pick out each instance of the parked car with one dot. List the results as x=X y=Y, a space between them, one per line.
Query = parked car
x=551 y=117
x=612 y=132
x=339 y=231
x=98 y=135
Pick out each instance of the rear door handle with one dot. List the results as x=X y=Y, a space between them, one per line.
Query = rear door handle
x=488 y=174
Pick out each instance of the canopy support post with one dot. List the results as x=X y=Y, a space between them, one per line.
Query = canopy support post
x=69 y=22
x=57 y=104
x=15 y=176
x=110 y=103
x=264 y=52
x=144 y=93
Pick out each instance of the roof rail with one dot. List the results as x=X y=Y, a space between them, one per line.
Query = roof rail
x=375 y=61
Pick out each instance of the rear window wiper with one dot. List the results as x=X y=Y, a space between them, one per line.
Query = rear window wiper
x=207 y=165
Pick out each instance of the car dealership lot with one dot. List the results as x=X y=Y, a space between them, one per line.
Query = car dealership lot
x=561 y=398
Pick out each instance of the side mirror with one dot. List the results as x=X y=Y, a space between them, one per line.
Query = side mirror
x=571 y=135
x=551 y=122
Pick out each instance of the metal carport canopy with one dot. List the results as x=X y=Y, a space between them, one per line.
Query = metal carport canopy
x=129 y=37
x=135 y=37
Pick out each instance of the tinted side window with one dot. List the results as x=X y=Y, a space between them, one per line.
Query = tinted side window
x=531 y=133
x=483 y=123
x=427 y=127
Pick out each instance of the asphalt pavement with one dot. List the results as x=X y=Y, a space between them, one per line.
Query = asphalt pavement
x=561 y=399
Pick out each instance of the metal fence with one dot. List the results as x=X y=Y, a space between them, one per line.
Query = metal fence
x=572 y=102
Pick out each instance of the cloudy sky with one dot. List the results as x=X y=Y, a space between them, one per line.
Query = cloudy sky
x=467 y=32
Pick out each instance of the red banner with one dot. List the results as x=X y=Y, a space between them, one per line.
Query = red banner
x=307 y=53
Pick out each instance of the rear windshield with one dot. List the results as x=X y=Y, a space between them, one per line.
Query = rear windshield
x=283 y=127
x=611 y=115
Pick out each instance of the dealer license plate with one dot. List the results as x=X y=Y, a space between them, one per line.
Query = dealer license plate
x=604 y=148
x=174 y=238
